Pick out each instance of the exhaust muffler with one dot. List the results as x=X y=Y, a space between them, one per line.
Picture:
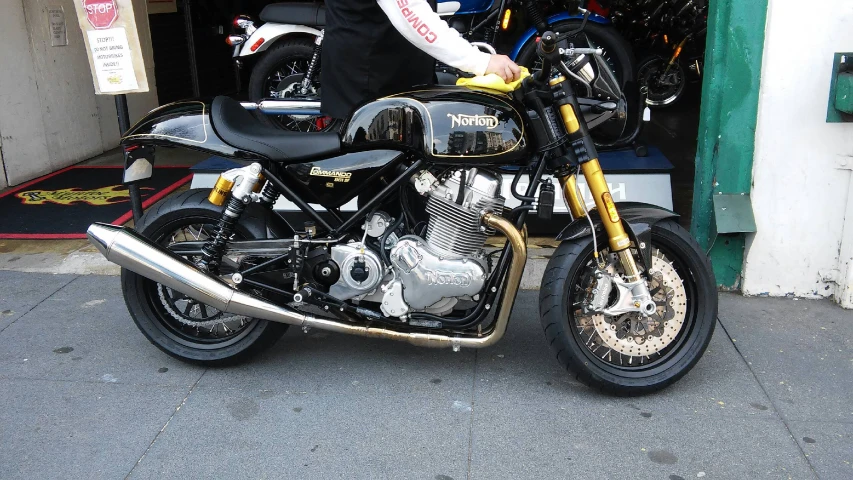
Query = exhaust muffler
x=127 y=248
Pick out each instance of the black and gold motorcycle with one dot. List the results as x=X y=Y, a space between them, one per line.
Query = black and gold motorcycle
x=628 y=301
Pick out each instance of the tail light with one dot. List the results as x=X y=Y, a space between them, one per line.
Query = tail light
x=234 y=40
x=244 y=22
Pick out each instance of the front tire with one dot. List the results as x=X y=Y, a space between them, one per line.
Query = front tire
x=592 y=352
x=178 y=326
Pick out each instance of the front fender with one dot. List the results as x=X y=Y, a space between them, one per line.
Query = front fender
x=269 y=33
x=638 y=219
x=559 y=17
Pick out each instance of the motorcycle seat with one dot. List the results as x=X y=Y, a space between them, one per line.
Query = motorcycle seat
x=308 y=14
x=238 y=128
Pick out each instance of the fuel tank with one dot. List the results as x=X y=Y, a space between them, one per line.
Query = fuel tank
x=448 y=124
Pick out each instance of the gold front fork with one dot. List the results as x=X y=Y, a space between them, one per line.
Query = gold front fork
x=618 y=238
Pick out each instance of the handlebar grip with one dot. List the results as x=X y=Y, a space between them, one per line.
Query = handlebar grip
x=547 y=44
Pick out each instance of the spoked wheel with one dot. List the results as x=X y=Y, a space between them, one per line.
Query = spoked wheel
x=279 y=75
x=665 y=82
x=180 y=326
x=630 y=354
x=188 y=319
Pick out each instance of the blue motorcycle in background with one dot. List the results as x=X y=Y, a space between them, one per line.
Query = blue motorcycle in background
x=283 y=54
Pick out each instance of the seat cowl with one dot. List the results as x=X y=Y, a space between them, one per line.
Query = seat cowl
x=308 y=14
x=238 y=128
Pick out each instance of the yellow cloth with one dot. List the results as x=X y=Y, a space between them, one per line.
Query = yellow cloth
x=493 y=82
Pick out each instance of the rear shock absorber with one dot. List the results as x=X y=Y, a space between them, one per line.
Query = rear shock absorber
x=535 y=15
x=241 y=195
x=312 y=65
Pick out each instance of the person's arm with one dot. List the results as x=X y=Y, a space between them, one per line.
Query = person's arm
x=421 y=26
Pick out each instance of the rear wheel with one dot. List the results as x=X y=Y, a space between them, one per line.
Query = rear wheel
x=279 y=75
x=629 y=354
x=176 y=324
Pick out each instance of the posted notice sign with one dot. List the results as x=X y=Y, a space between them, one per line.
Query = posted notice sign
x=112 y=42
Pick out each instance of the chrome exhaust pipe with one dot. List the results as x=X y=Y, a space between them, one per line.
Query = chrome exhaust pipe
x=127 y=248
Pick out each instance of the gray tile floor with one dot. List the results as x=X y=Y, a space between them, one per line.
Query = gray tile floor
x=84 y=395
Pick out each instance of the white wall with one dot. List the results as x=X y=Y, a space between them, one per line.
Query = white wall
x=800 y=197
x=50 y=116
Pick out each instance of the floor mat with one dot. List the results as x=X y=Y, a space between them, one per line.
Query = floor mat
x=63 y=204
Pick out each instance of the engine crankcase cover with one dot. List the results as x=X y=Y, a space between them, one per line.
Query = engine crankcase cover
x=428 y=277
x=368 y=264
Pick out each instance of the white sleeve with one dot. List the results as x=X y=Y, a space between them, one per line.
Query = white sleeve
x=421 y=26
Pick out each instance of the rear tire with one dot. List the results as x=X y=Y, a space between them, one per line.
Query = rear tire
x=558 y=309
x=160 y=323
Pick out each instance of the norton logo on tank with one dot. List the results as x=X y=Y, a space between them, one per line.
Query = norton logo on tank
x=68 y=196
x=462 y=120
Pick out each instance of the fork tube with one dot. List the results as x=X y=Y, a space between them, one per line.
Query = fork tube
x=591 y=169
x=570 y=193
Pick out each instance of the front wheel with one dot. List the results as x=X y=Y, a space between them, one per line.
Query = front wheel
x=628 y=354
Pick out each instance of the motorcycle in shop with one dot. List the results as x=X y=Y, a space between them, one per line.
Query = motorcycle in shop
x=289 y=43
x=628 y=300
x=670 y=35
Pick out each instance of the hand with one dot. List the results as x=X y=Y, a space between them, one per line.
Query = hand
x=504 y=68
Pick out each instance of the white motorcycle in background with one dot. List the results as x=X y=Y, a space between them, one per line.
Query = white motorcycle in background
x=289 y=42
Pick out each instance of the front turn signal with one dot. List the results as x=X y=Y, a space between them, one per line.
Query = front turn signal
x=610 y=206
x=505 y=20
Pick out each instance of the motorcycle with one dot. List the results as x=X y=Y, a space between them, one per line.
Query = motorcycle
x=671 y=37
x=628 y=300
x=290 y=41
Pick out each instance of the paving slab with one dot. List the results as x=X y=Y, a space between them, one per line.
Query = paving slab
x=828 y=445
x=800 y=350
x=56 y=429
x=329 y=363
x=536 y=441
x=84 y=333
x=521 y=369
x=352 y=434
x=21 y=293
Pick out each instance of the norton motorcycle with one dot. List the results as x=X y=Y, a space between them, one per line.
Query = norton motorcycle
x=284 y=52
x=628 y=301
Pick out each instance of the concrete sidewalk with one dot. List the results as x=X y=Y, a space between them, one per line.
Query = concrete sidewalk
x=84 y=395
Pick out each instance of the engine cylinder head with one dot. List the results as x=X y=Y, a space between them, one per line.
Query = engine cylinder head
x=454 y=224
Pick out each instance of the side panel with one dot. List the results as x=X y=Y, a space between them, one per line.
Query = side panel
x=531 y=32
x=639 y=218
x=335 y=181
x=184 y=124
x=270 y=32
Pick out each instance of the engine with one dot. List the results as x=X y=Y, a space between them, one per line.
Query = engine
x=428 y=274
x=433 y=273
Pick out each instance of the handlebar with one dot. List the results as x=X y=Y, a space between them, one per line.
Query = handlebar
x=546 y=47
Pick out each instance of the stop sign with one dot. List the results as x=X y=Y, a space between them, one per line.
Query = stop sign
x=101 y=13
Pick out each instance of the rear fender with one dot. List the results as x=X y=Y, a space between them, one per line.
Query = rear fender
x=180 y=124
x=269 y=33
x=638 y=219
